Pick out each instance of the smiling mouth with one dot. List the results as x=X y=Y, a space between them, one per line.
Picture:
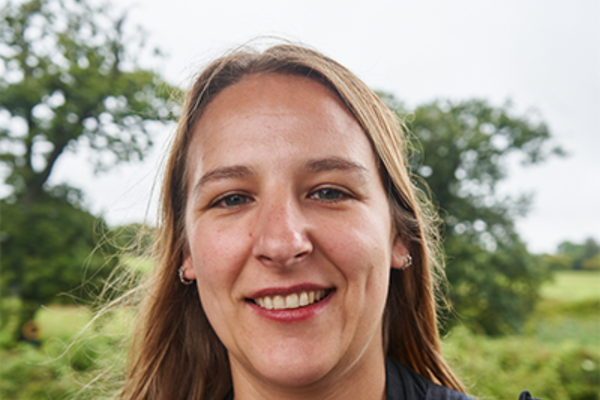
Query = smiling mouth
x=291 y=301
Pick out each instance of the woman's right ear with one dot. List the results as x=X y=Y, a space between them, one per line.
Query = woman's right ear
x=187 y=266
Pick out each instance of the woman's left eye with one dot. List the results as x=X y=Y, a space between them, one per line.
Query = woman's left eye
x=328 y=194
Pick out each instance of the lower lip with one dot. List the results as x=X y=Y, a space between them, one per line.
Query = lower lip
x=294 y=315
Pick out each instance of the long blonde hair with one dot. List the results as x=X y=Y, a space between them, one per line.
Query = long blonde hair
x=176 y=353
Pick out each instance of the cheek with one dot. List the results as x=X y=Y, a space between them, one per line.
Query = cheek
x=217 y=261
x=364 y=255
x=218 y=256
x=361 y=244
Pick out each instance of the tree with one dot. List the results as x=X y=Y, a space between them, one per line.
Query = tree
x=69 y=80
x=459 y=150
x=578 y=256
x=52 y=249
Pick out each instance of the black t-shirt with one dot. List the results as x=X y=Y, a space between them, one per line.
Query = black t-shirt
x=402 y=383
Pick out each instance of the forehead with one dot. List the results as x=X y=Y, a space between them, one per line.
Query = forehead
x=273 y=93
x=277 y=115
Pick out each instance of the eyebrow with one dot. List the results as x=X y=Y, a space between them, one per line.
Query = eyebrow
x=232 y=172
x=333 y=164
x=312 y=166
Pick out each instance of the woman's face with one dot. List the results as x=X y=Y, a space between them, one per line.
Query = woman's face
x=289 y=232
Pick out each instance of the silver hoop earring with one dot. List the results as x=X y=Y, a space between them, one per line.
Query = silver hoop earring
x=182 y=278
x=409 y=261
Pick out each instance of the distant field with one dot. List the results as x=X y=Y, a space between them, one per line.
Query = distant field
x=573 y=286
x=62 y=321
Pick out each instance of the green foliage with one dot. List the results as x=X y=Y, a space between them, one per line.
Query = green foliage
x=67 y=366
x=493 y=292
x=592 y=263
x=459 y=150
x=51 y=248
x=26 y=375
x=71 y=80
x=576 y=256
x=556 y=322
x=10 y=308
x=500 y=368
x=557 y=262
x=557 y=358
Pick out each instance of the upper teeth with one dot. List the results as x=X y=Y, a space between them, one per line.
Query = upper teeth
x=291 y=301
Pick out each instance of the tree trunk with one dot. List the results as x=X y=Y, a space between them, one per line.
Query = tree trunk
x=35 y=186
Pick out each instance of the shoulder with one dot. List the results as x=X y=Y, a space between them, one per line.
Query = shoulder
x=402 y=383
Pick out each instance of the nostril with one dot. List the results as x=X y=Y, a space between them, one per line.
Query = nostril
x=301 y=255
x=265 y=258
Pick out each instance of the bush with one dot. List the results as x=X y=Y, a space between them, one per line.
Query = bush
x=501 y=368
x=68 y=364
x=27 y=374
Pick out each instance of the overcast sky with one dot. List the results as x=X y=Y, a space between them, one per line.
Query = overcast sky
x=541 y=54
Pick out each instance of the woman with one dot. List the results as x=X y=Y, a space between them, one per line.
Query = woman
x=295 y=259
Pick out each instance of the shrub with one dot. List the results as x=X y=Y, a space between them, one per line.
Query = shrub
x=500 y=368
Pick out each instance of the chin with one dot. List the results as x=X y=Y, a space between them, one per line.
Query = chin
x=296 y=368
x=296 y=374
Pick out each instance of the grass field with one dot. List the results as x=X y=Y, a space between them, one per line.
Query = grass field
x=569 y=311
x=61 y=321
x=558 y=357
x=573 y=286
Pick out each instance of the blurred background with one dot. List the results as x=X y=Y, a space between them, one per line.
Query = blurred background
x=503 y=103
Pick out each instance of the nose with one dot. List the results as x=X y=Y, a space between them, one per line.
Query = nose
x=280 y=235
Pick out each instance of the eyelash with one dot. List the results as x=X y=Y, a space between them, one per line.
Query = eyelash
x=341 y=195
x=220 y=202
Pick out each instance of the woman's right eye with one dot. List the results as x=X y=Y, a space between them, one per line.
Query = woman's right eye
x=233 y=200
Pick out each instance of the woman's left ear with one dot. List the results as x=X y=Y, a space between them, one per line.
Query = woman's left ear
x=399 y=254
